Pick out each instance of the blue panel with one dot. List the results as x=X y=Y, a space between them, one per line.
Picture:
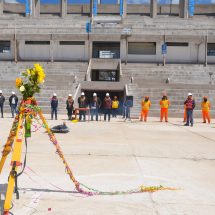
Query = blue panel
x=27 y=7
x=88 y=27
x=164 y=48
x=121 y=8
x=95 y=5
x=191 y=7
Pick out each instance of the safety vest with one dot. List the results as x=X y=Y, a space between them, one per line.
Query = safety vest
x=146 y=105
x=115 y=104
x=164 y=103
x=206 y=106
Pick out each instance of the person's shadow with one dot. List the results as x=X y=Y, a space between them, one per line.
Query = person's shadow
x=3 y=189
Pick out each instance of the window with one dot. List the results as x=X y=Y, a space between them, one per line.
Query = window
x=142 y=48
x=72 y=43
x=211 y=49
x=37 y=42
x=4 y=46
x=177 y=44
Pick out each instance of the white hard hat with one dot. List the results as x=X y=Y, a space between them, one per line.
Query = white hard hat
x=0 y=91
x=70 y=95
x=190 y=94
x=94 y=94
x=107 y=94
x=54 y=94
x=82 y=94
x=13 y=93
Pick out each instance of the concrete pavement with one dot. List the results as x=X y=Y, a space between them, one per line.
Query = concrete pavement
x=118 y=156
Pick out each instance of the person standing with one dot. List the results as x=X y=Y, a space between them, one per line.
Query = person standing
x=115 y=106
x=13 y=101
x=164 y=105
x=69 y=106
x=145 y=108
x=54 y=106
x=94 y=107
x=206 y=106
x=2 y=100
x=107 y=104
x=82 y=102
x=190 y=105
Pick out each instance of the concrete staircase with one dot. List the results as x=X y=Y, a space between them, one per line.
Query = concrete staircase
x=177 y=94
x=181 y=73
x=62 y=78
x=150 y=79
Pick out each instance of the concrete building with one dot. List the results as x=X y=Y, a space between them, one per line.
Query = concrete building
x=108 y=37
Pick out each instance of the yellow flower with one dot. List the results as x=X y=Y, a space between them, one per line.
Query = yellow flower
x=22 y=88
x=28 y=71
x=18 y=82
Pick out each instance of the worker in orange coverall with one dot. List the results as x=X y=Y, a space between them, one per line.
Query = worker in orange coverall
x=206 y=110
x=164 y=105
x=145 y=108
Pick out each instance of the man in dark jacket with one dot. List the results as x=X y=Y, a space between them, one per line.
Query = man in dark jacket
x=82 y=101
x=190 y=105
x=2 y=100
x=13 y=101
x=94 y=106
x=54 y=106
x=107 y=105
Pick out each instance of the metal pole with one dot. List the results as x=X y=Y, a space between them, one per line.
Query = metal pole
x=206 y=49
x=164 y=55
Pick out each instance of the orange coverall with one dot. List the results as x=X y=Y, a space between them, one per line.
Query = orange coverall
x=206 y=111
x=145 y=110
x=185 y=113
x=164 y=104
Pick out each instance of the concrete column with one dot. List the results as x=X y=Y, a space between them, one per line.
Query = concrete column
x=1 y=7
x=153 y=8
x=123 y=49
x=91 y=8
x=63 y=8
x=35 y=8
x=206 y=50
x=183 y=9
x=118 y=1
x=15 y=48
x=52 y=43
x=99 y=1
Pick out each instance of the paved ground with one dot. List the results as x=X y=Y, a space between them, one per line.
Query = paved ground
x=119 y=156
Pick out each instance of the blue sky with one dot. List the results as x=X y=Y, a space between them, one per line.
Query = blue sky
x=115 y=1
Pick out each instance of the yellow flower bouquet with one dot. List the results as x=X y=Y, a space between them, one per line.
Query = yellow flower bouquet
x=30 y=81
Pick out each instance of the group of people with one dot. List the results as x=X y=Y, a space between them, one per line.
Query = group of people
x=189 y=106
x=111 y=107
x=93 y=105
x=13 y=102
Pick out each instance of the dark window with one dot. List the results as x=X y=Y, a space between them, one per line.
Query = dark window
x=73 y=43
x=37 y=42
x=142 y=48
x=177 y=44
x=211 y=49
x=4 y=46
